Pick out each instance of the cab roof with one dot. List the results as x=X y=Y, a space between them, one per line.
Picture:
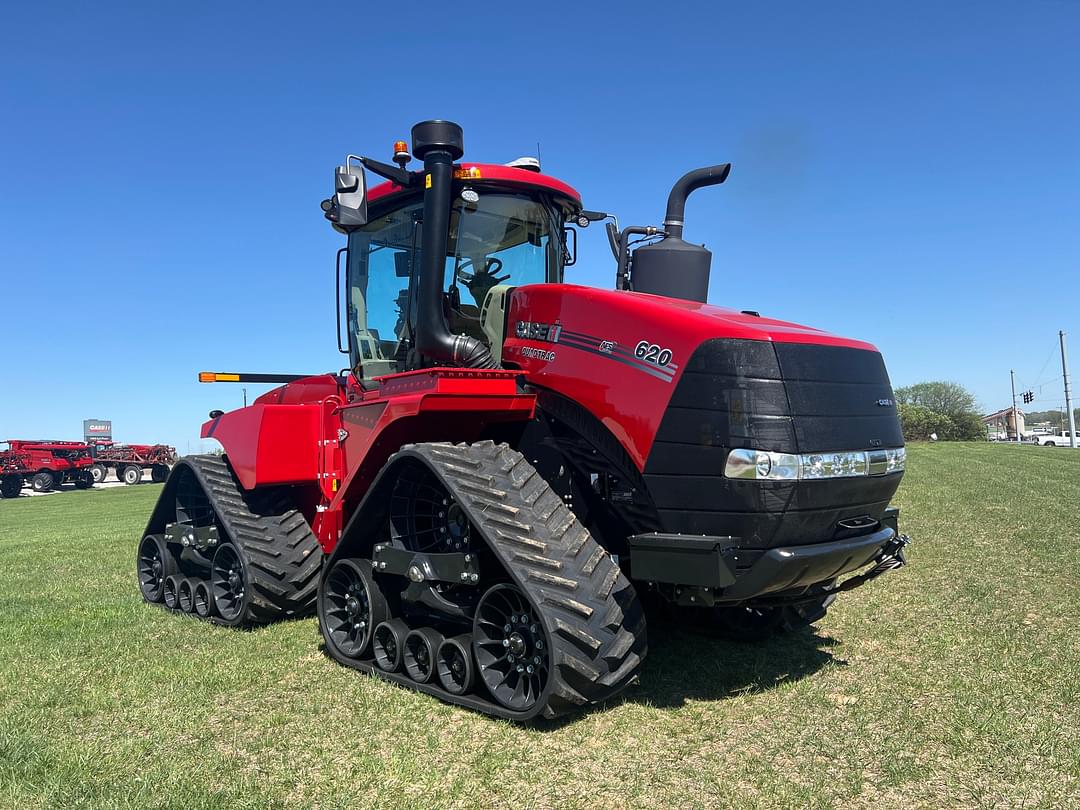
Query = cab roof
x=494 y=173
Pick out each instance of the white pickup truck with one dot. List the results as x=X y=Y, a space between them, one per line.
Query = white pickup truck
x=1060 y=439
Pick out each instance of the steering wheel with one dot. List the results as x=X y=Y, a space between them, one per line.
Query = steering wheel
x=479 y=282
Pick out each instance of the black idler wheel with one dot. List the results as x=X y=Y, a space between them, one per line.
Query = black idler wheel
x=154 y=564
x=351 y=605
x=454 y=664
x=419 y=655
x=512 y=649
x=388 y=644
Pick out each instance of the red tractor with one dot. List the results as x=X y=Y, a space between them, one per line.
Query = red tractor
x=129 y=460
x=479 y=505
x=45 y=464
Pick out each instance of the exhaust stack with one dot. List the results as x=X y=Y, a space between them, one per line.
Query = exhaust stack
x=672 y=267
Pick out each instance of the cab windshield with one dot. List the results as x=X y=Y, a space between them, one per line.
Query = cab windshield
x=494 y=239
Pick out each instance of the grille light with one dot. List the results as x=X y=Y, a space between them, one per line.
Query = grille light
x=762 y=465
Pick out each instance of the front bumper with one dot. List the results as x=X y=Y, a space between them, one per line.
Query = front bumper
x=722 y=571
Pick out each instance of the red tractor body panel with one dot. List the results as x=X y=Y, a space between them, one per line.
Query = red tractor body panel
x=270 y=444
x=341 y=436
x=573 y=327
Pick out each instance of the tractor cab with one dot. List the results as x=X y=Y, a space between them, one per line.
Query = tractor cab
x=501 y=227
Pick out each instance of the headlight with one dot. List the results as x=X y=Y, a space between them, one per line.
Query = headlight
x=762 y=465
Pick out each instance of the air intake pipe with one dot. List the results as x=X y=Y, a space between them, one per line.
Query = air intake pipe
x=671 y=267
x=439 y=144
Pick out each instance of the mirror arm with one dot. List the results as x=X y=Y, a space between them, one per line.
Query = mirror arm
x=403 y=178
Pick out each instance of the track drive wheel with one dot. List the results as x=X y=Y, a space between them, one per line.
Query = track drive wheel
x=42 y=482
x=154 y=564
x=351 y=605
x=132 y=474
x=228 y=584
x=512 y=649
x=98 y=471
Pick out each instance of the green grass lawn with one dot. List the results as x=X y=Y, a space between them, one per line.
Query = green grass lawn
x=953 y=682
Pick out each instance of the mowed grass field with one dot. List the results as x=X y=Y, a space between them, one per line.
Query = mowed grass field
x=955 y=682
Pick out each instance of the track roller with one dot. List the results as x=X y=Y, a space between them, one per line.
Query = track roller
x=351 y=607
x=388 y=643
x=203 y=599
x=185 y=598
x=171 y=591
x=454 y=665
x=155 y=563
x=421 y=647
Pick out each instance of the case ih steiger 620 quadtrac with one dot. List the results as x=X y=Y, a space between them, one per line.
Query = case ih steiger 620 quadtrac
x=478 y=505
x=45 y=464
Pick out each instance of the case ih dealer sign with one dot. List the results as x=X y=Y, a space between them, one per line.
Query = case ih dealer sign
x=97 y=429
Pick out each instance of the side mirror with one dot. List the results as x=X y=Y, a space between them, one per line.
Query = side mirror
x=350 y=196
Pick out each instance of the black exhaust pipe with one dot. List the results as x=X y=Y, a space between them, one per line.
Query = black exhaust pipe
x=439 y=144
x=671 y=267
x=684 y=187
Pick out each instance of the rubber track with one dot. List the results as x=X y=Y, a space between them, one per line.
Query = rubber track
x=282 y=558
x=594 y=621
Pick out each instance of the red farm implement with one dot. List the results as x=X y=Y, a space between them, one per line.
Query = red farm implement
x=129 y=460
x=45 y=465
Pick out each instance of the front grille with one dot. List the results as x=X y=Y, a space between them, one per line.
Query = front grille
x=783 y=397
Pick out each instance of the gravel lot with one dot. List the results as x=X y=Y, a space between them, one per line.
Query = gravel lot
x=109 y=482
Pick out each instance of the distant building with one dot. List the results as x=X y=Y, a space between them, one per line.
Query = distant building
x=1002 y=425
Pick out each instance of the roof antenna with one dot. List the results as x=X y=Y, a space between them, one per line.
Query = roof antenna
x=538 y=153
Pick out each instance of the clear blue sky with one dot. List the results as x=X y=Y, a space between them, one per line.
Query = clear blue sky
x=905 y=173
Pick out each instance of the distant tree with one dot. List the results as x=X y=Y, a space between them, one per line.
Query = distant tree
x=945 y=408
x=919 y=422
x=1056 y=419
x=948 y=398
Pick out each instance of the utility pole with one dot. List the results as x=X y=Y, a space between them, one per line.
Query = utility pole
x=1016 y=416
x=1068 y=391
